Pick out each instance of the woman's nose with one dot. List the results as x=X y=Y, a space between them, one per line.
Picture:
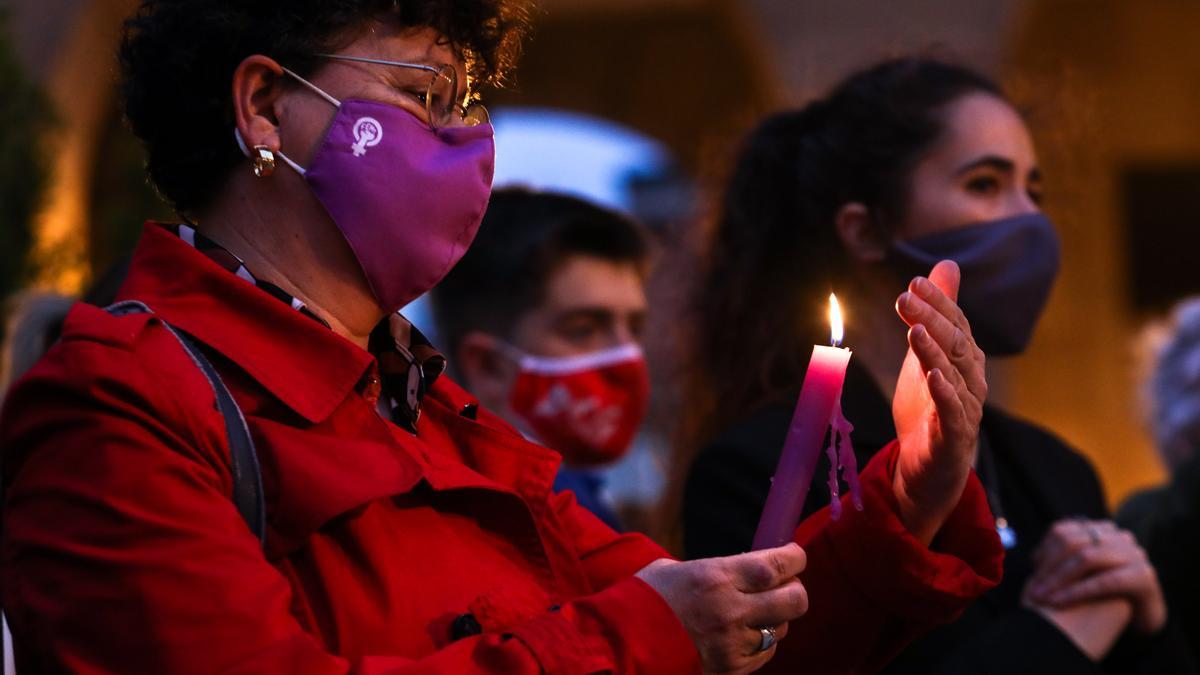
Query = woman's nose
x=1022 y=204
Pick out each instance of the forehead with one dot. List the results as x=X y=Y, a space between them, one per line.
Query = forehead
x=982 y=124
x=586 y=281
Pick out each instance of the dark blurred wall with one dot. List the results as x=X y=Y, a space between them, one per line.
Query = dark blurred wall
x=1115 y=89
x=814 y=43
x=69 y=45
x=689 y=73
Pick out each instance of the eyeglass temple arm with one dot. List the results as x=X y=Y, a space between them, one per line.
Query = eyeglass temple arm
x=315 y=89
x=381 y=62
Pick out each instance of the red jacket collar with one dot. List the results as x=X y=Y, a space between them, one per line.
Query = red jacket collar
x=308 y=367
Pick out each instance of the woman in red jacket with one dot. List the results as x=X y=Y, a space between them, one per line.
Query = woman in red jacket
x=330 y=162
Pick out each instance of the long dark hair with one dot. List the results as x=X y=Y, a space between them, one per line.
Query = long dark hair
x=774 y=252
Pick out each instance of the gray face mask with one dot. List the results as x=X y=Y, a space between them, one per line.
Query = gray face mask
x=1008 y=269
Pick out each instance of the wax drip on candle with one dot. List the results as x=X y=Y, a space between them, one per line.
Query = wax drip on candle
x=842 y=459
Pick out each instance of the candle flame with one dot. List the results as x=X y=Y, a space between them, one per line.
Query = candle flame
x=836 y=332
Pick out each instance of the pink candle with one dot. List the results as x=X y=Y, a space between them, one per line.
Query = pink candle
x=819 y=406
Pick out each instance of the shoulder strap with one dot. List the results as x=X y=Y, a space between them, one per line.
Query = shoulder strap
x=247 y=477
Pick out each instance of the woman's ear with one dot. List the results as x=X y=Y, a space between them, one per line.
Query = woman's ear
x=257 y=86
x=860 y=234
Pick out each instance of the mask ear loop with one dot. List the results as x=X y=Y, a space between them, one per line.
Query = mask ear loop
x=319 y=92
x=237 y=136
x=288 y=160
x=241 y=142
x=512 y=353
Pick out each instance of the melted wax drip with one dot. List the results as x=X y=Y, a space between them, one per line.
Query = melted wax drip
x=841 y=458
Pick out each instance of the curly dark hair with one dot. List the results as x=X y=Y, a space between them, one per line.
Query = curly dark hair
x=177 y=58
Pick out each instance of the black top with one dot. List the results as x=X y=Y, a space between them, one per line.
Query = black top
x=1035 y=480
x=1167 y=522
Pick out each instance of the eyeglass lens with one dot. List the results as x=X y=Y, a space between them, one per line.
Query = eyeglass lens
x=443 y=105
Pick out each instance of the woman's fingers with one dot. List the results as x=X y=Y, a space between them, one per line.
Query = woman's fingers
x=1135 y=581
x=1066 y=538
x=931 y=355
x=764 y=570
x=1082 y=561
x=946 y=399
x=914 y=309
x=947 y=277
x=936 y=290
x=751 y=641
x=933 y=358
x=724 y=603
x=1117 y=582
x=960 y=349
x=1063 y=540
x=929 y=303
x=1090 y=559
x=753 y=649
x=778 y=605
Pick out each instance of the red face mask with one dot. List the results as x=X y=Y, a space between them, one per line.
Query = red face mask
x=586 y=407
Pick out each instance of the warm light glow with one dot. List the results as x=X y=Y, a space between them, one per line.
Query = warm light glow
x=835 y=322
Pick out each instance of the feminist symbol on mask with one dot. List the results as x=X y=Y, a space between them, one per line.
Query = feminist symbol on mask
x=367 y=134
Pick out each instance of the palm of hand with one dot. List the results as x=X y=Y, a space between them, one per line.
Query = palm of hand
x=938 y=402
x=917 y=428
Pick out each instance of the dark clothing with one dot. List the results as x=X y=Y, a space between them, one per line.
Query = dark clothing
x=1166 y=521
x=1034 y=479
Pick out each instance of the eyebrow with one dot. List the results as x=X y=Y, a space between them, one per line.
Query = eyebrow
x=592 y=312
x=993 y=161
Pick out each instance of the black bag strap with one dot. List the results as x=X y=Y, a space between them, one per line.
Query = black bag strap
x=247 y=477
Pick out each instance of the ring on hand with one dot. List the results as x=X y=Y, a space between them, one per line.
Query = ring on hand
x=1094 y=533
x=768 y=638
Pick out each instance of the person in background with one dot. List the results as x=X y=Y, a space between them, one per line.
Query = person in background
x=543 y=321
x=330 y=161
x=34 y=323
x=1166 y=519
x=903 y=164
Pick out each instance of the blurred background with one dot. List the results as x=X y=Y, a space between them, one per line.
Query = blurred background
x=654 y=92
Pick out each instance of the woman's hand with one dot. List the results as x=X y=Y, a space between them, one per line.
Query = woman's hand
x=938 y=403
x=1081 y=561
x=724 y=603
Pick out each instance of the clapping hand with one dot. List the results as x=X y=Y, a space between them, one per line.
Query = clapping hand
x=938 y=403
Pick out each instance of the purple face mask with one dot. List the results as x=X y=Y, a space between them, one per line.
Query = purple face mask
x=1008 y=269
x=408 y=200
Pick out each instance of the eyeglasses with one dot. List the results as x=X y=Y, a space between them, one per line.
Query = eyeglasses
x=443 y=108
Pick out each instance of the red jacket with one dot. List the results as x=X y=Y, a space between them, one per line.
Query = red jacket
x=123 y=552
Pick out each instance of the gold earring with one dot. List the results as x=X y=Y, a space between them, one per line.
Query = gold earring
x=263 y=161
